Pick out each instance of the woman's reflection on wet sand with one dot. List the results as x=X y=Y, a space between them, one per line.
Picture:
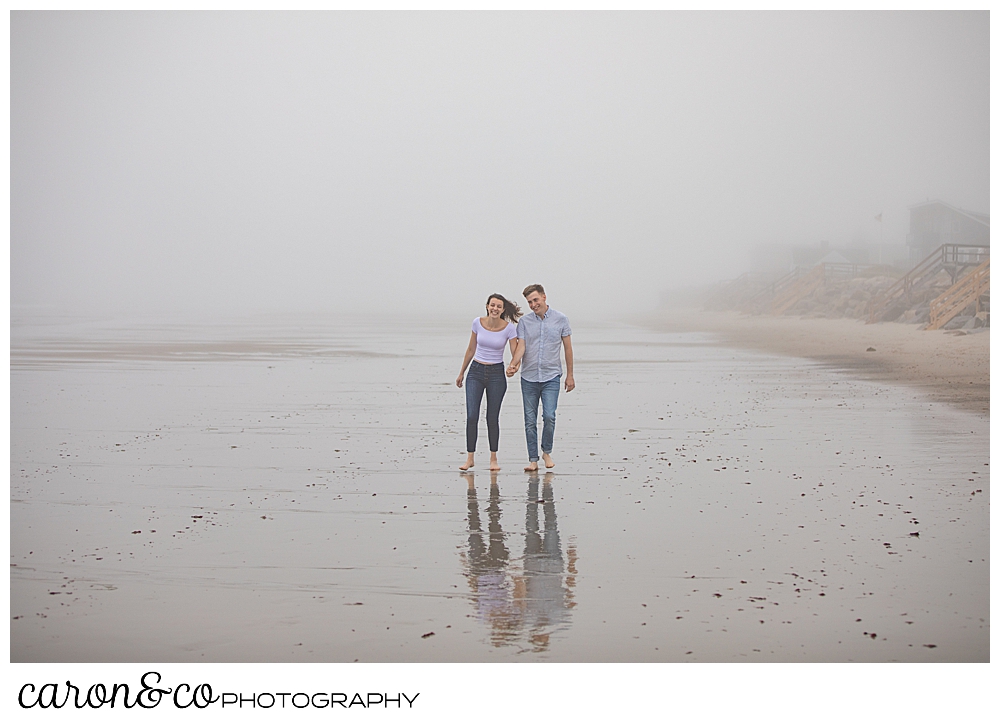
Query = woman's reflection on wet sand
x=531 y=597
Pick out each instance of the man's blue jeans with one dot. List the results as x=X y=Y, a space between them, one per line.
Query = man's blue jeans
x=531 y=394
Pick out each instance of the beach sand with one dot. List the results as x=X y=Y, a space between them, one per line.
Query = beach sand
x=948 y=366
x=286 y=489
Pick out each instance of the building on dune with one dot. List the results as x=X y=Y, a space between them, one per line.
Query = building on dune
x=933 y=223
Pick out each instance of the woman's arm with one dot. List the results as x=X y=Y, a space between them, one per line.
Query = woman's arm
x=517 y=351
x=469 y=353
x=513 y=348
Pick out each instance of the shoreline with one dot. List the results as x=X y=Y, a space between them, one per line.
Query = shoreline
x=948 y=367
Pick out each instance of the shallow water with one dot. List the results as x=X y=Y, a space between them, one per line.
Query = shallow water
x=287 y=490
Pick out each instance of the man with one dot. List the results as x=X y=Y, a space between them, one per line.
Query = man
x=540 y=336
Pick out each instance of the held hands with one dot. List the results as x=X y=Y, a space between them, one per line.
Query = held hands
x=512 y=369
x=570 y=383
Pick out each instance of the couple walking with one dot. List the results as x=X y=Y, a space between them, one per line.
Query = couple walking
x=535 y=340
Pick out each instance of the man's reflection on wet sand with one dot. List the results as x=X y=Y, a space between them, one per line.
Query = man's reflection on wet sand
x=529 y=598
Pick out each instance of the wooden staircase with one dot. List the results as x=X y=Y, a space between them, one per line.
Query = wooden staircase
x=968 y=290
x=729 y=294
x=798 y=290
x=762 y=299
x=954 y=258
x=780 y=295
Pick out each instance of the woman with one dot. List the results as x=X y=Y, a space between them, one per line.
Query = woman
x=490 y=334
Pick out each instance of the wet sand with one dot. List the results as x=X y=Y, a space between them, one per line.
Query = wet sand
x=287 y=490
x=949 y=366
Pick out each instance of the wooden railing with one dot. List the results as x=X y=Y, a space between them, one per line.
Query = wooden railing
x=851 y=271
x=733 y=289
x=802 y=287
x=943 y=256
x=755 y=303
x=967 y=290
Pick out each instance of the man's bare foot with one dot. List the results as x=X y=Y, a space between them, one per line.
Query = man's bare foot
x=533 y=467
x=549 y=464
x=470 y=462
x=494 y=464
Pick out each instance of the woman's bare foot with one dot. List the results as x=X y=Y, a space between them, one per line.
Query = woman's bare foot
x=549 y=464
x=532 y=467
x=470 y=462
x=494 y=464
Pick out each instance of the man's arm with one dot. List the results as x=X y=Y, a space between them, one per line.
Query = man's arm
x=568 y=349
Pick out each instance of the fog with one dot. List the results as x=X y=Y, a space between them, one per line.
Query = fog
x=416 y=162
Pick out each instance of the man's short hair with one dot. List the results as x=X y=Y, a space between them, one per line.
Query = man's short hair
x=528 y=290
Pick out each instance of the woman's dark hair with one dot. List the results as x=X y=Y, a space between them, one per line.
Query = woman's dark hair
x=511 y=311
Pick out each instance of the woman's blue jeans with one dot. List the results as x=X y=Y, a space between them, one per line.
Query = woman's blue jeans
x=492 y=379
x=531 y=394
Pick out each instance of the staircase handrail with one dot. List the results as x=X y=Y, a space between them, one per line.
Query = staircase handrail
x=943 y=254
x=964 y=253
x=804 y=285
x=774 y=287
x=902 y=285
x=851 y=270
x=970 y=287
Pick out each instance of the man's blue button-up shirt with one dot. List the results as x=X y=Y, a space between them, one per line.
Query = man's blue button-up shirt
x=542 y=339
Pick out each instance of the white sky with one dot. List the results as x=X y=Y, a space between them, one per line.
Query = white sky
x=219 y=162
